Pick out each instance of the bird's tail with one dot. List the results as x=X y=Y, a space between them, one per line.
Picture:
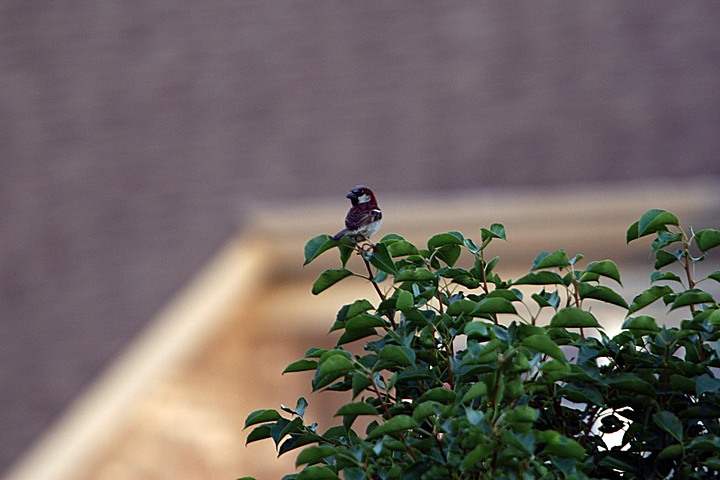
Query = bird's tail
x=340 y=234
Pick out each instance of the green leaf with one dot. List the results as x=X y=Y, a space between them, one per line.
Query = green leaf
x=401 y=248
x=602 y=293
x=663 y=259
x=284 y=427
x=655 y=220
x=693 y=296
x=664 y=276
x=315 y=246
x=491 y=346
x=605 y=268
x=328 y=278
x=539 y=278
x=463 y=306
x=547 y=299
x=522 y=414
x=426 y=409
x=707 y=239
x=670 y=423
x=357 y=408
x=391 y=238
x=471 y=245
x=359 y=383
x=649 y=296
x=474 y=416
x=476 y=330
x=544 y=344
x=561 y=446
x=497 y=230
x=513 y=295
x=632 y=233
x=403 y=356
x=259 y=433
x=438 y=394
x=261 y=416
x=555 y=368
x=416 y=372
x=314 y=454
x=664 y=239
x=682 y=383
x=493 y=305
x=707 y=384
x=589 y=277
x=642 y=325
x=301 y=366
x=364 y=321
x=477 y=455
x=448 y=254
x=620 y=461
x=479 y=389
x=315 y=352
x=705 y=443
x=381 y=259
x=715 y=276
x=355 y=334
x=299 y=409
x=489 y=266
x=629 y=382
x=380 y=276
x=330 y=369
x=317 y=472
x=670 y=452
x=714 y=317
x=467 y=281
x=355 y=308
x=404 y=301
x=414 y=275
x=581 y=394
x=556 y=259
x=345 y=253
x=573 y=317
x=396 y=424
x=443 y=239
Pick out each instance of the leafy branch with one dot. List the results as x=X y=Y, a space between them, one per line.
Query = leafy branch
x=458 y=385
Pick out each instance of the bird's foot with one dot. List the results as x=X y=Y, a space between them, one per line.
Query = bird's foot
x=365 y=247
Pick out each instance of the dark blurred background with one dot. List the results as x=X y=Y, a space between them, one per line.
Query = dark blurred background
x=136 y=137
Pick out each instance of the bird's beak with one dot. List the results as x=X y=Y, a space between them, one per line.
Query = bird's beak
x=350 y=195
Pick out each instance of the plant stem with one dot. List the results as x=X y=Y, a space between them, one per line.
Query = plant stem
x=482 y=270
x=446 y=344
x=370 y=278
x=389 y=415
x=375 y=285
x=687 y=264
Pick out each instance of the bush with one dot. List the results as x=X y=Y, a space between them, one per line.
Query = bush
x=460 y=380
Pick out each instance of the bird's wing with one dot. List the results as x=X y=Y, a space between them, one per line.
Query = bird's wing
x=358 y=217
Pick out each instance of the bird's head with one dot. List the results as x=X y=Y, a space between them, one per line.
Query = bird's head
x=361 y=194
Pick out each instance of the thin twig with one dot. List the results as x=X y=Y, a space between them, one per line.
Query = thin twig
x=374 y=284
x=389 y=415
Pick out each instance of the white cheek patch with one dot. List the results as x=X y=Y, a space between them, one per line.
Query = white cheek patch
x=364 y=198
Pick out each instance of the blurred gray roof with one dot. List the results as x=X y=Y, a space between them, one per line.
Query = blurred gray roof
x=135 y=137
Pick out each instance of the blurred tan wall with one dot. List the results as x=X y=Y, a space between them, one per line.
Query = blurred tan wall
x=136 y=137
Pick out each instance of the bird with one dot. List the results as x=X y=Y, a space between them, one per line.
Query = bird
x=364 y=217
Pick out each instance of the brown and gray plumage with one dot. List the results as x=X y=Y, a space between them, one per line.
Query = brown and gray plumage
x=364 y=217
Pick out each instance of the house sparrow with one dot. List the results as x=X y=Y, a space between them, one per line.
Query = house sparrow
x=364 y=218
